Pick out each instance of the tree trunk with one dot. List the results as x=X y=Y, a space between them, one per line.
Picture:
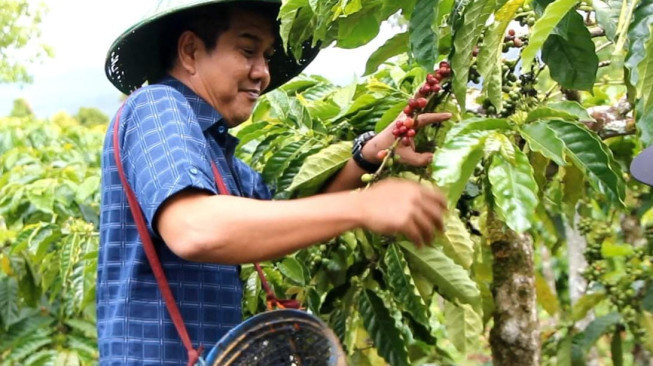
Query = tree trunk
x=514 y=338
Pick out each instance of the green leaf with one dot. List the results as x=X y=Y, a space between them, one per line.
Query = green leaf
x=514 y=190
x=465 y=39
x=570 y=53
x=573 y=185
x=452 y=281
x=41 y=194
x=478 y=124
x=397 y=276
x=287 y=15
x=590 y=154
x=423 y=39
x=645 y=123
x=586 y=303
x=610 y=249
x=454 y=162
x=594 y=330
x=542 y=139
x=281 y=159
x=389 y=116
x=543 y=27
x=644 y=86
x=607 y=15
x=545 y=296
x=359 y=28
x=464 y=326
x=573 y=108
x=550 y=113
x=382 y=329
x=639 y=34
x=292 y=270
x=319 y=167
x=251 y=293
x=9 y=301
x=489 y=57
x=394 y=46
x=456 y=241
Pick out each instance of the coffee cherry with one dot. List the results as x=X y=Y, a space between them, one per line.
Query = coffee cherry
x=475 y=51
x=395 y=132
x=431 y=80
x=366 y=178
x=444 y=71
x=403 y=130
x=408 y=110
x=439 y=76
x=409 y=123
x=518 y=42
x=435 y=88
x=444 y=64
x=426 y=89
x=399 y=124
x=413 y=103
x=511 y=32
x=421 y=102
x=406 y=140
x=411 y=133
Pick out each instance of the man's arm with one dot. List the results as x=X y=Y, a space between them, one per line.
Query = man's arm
x=201 y=227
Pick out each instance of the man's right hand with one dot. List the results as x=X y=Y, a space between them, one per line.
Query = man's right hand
x=394 y=206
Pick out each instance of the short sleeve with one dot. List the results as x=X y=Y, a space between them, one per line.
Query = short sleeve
x=164 y=150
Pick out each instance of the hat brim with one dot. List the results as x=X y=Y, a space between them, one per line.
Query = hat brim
x=641 y=168
x=134 y=57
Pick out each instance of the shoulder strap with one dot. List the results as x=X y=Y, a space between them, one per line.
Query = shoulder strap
x=150 y=253
x=153 y=259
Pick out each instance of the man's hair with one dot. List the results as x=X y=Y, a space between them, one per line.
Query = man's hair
x=208 y=23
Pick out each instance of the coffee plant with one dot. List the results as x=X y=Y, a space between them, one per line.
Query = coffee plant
x=49 y=202
x=548 y=100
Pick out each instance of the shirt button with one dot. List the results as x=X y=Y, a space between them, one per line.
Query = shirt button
x=221 y=129
x=193 y=171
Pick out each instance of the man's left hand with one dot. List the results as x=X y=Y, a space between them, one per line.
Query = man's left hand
x=407 y=154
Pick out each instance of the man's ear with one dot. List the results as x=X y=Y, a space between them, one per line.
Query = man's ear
x=187 y=47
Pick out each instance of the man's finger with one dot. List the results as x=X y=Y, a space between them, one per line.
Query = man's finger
x=413 y=158
x=426 y=119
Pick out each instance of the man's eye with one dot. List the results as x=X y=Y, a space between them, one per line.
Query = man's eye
x=248 y=51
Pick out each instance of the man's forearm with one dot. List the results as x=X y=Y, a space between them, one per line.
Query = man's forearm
x=230 y=230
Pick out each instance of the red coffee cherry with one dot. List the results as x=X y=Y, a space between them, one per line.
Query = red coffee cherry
x=426 y=89
x=408 y=110
x=421 y=102
x=409 y=123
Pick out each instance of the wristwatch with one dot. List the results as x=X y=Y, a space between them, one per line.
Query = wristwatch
x=357 y=150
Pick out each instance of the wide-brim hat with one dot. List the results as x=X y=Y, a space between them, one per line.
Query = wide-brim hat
x=134 y=57
x=641 y=168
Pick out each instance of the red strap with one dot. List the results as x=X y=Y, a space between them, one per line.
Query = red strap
x=150 y=253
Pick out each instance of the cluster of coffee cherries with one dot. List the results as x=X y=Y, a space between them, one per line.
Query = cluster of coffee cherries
x=405 y=129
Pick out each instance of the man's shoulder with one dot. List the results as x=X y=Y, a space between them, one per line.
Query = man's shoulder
x=159 y=93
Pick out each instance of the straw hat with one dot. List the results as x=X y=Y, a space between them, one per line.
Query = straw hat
x=135 y=56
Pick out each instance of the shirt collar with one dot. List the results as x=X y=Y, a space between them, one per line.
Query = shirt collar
x=207 y=116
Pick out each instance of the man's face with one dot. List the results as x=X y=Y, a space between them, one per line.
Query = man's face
x=236 y=72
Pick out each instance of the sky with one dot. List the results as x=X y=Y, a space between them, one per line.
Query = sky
x=81 y=32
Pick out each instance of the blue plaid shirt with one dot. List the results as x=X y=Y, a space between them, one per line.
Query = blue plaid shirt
x=168 y=137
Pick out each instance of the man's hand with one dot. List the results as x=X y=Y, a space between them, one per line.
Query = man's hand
x=407 y=154
x=396 y=206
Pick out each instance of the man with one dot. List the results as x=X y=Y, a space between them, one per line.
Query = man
x=217 y=59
